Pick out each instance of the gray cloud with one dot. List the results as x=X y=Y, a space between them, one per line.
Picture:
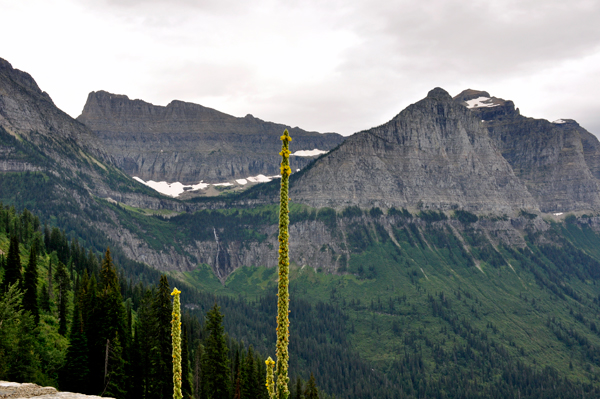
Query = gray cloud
x=337 y=65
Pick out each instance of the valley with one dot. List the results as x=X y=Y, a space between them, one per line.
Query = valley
x=453 y=251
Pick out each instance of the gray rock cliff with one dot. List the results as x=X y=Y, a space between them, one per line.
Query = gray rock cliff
x=559 y=162
x=188 y=143
x=434 y=154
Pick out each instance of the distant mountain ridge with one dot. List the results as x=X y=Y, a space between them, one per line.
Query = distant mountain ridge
x=187 y=142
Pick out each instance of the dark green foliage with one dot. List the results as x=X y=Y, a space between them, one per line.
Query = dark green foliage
x=186 y=383
x=375 y=212
x=311 y=391
x=528 y=215
x=106 y=329
x=327 y=216
x=432 y=216
x=30 y=300
x=63 y=285
x=465 y=217
x=352 y=212
x=19 y=359
x=75 y=373
x=12 y=268
x=403 y=212
x=215 y=362
x=162 y=378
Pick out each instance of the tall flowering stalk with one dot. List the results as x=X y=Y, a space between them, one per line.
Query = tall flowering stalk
x=176 y=340
x=277 y=382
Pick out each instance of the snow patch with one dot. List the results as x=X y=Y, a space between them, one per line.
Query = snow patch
x=557 y=214
x=559 y=121
x=309 y=153
x=481 y=102
x=171 y=189
x=176 y=188
x=262 y=178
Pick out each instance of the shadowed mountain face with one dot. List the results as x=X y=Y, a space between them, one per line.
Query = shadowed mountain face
x=433 y=154
x=27 y=113
x=188 y=143
x=558 y=161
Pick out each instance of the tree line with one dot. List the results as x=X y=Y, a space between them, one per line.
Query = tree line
x=70 y=320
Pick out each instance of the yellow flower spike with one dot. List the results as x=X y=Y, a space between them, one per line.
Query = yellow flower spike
x=176 y=343
x=277 y=373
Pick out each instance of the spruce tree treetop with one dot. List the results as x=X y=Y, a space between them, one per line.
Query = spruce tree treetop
x=30 y=301
x=12 y=269
x=216 y=361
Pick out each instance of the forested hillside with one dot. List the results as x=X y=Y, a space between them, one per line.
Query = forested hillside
x=415 y=314
x=69 y=319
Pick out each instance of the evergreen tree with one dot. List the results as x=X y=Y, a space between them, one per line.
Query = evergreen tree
x=250 y=384
x=311 y=388
x=75 y=374
x=198 y=358
x=299 y=394
x=186 y=386
x=215 y=362
x=106 y=331
x=45 y=298
x=162 y=307
x=12 y=268
x=63 y=284
x=30 y=301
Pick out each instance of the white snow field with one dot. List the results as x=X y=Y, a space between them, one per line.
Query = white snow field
x=480 y=102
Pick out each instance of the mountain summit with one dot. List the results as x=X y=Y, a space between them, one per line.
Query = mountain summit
x=558 y=161
x=434 y=154
x=188 y=143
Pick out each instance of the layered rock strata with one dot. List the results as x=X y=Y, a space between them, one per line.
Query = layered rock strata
x=558 y=161
x=187 y=142
x=434 y=154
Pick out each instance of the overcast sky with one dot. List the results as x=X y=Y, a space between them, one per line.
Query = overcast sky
x=340 y=66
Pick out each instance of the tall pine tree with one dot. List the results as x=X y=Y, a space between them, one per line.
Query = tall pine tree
x=162 y=349
x=75 y=374
x=216 y=363
x=12 y=268
x=30 y=300
x=106 y=332
x=63 y=283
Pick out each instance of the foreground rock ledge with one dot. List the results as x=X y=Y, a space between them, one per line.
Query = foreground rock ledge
x=16 y=390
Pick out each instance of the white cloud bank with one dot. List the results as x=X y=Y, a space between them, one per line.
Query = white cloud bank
x=340 y=66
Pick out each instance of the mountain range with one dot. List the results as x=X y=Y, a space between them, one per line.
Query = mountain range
x=458 y=232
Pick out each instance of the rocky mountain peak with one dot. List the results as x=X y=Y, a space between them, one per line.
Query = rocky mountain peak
x=439 y=94
x=485 y=106
x=22 y=78
x=433 y=155
x=558 y=161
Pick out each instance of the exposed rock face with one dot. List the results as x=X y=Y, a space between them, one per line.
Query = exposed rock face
x=559 y=162
x=188 y=143
x=16 y=390
x=36 y=136
x=30 y=113
x=433 y=154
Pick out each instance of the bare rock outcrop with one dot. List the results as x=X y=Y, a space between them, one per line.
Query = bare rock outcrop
x=434 y=154
x=558 y=161
x=15 y=390
x=188 y=143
